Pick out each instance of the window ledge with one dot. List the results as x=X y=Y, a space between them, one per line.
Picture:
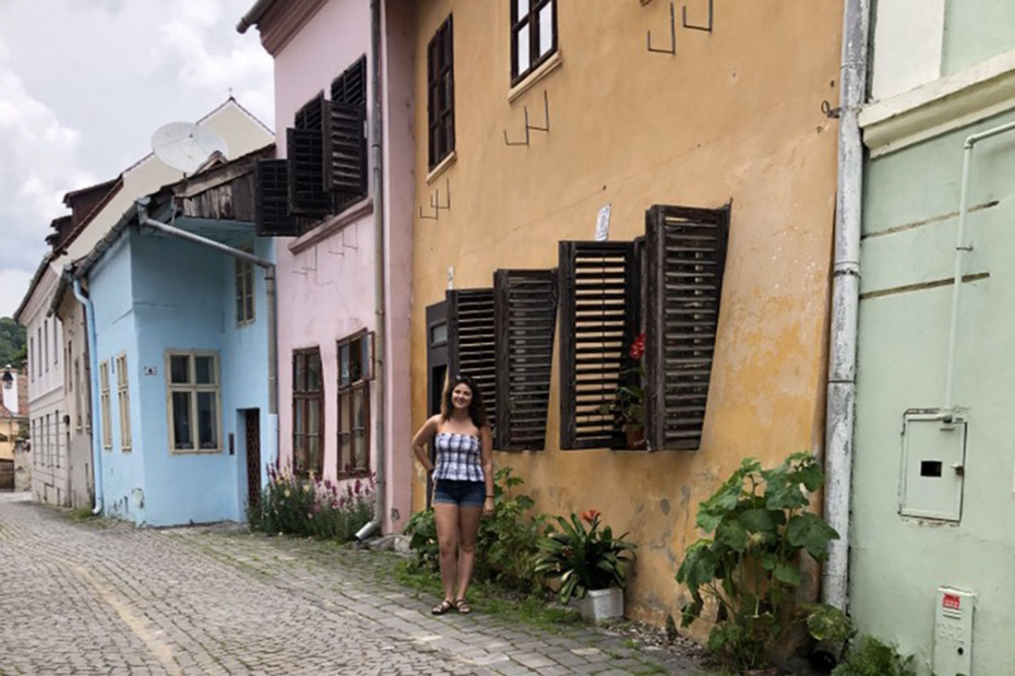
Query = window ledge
x=329 y=227
x=184 y=451
x=547 y=67
x=441 y=167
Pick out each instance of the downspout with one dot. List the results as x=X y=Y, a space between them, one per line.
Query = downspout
x=93 y=360
x=269 y=279
x=845 y=301
x=380 y=294
x=950 y=412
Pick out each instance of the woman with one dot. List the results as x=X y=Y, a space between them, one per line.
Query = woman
x=463 y=474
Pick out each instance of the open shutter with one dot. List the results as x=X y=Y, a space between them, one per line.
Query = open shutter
x=599 y=299
x=351 y=86
x=526 y=311
x=347 y=152
x=306 y=157
x=271 y=200
x=685 y=253
x=471 y=342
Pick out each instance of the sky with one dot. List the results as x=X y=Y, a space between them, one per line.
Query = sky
x=85 y=83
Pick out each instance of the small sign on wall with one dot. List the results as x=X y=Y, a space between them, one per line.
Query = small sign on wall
x=150 y=371
x=603 y=224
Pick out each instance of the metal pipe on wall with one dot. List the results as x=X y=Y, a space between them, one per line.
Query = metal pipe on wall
x=845 y=301
x=961 y=248
x=93 y=360
x=380 y=294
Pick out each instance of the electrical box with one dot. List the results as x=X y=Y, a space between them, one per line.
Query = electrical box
x=933 y=466
x=953 y=632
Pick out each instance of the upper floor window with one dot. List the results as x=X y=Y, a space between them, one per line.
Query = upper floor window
x=107 y=422
x=533 y=35
x=244 y=290
x=194 y=402
x=123 y=396
x=440 y=81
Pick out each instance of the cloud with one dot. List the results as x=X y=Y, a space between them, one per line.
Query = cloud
x=40 y=164
x=12 y=288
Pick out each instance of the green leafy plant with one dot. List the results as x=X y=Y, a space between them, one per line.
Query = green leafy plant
x=584 y=559
x=304 y=506
x=871 y=657
x=749 y=567
x=829 y=626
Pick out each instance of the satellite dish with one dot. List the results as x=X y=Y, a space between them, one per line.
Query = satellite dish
x=185 y=146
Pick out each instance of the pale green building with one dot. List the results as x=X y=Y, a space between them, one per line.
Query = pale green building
x=932 y=560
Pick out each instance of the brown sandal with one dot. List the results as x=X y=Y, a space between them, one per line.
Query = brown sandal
x=462 y=606
x=442 y=607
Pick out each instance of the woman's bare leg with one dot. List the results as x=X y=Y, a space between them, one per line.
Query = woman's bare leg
x=446 y=516
x=468 y=528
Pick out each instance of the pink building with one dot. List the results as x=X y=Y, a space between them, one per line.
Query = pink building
x=335 y=376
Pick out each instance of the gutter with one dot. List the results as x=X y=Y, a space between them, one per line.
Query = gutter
x=269 y=278
x=93 y=360
x=841 y=393
x=380 y=290
x=254 y=14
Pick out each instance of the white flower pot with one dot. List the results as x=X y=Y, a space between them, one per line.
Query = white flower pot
x=600 y=605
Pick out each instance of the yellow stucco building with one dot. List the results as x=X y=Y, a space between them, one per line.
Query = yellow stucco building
x=531 y=117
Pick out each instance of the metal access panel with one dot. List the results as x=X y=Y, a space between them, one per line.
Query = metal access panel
x=953 y=632
x=933 y=466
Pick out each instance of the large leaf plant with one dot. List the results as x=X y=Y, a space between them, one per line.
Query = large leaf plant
x=750 y=565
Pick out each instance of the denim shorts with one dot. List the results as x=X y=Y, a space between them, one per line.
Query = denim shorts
x=461 y=493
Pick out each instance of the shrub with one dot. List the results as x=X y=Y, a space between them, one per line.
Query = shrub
x=584 y=559
x=750 y=566
x=871 y=657
x=308 y=507
x=506 y=543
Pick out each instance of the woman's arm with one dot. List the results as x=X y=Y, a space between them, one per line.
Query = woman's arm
x=486 y=449
x=423 y=436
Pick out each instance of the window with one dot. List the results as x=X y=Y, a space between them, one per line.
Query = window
x=45 y=346
x=533 y=35
x=244 y=290
x=308 y=412
x=355 y=370
x=107 y=431
x=32 y=358
x=440 y=80
x=123 y=395
x=38 y=358
x=194 y=402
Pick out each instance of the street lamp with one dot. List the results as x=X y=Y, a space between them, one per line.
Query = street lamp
x=7 y=378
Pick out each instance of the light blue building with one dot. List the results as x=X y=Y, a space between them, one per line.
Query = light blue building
x=180 y=336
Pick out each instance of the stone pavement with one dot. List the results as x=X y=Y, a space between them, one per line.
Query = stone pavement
x=103 y=597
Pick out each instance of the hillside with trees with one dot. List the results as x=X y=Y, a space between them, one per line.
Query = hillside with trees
x=12 y=343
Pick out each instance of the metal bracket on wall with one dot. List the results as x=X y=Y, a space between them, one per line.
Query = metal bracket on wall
x=673 y=36
x=435 y=203
x=707 y=29
x=831 y=113
x=531 y=127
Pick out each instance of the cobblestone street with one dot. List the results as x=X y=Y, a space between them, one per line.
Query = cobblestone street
x=106 y=598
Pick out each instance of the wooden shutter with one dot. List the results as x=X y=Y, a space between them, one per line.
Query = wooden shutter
x=685 y=254
x=526 y=312
x=351 y=86
x=347 y=152
x=471 y=342
x=306 y=157
x=271 y=200
x=599 y=299
x=441 y=93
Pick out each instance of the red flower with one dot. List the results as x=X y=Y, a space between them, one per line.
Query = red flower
x=591 y=515
x=638 y=347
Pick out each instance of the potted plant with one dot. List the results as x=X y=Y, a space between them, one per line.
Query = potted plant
x=628 y=406
x=590 y=563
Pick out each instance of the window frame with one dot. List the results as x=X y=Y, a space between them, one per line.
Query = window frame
x=194 y=389
x=104 y=402
x=440 y=76
x=123 y=400
x=300 y=400
x=245 y=283
x=347 y=427
x=531 y=19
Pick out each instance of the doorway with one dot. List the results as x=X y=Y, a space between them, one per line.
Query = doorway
x=252 y=425
x=436 y=370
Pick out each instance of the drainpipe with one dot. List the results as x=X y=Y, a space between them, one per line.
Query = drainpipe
x=845 y=301
x=269 y=279
x=93 y=360
x=380 y=294
x=254 y=14
x=949 y=413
